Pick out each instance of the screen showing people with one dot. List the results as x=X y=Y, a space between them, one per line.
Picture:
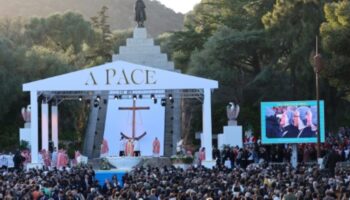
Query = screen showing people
x=291 y=122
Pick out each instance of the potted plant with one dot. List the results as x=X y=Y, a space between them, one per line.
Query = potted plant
x=104 y=164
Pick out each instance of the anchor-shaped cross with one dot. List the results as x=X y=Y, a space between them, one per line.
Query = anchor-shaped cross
x=133 y=108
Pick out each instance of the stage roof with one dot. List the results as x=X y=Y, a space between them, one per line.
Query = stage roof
x=120 y=75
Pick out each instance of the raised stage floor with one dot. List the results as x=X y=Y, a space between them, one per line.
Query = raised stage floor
x=128 y=163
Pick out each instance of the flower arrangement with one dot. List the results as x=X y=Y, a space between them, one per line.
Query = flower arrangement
x=104 y=164
x=185 y=159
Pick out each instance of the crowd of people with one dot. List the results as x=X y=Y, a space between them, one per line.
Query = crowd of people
x=240 y=174
x=58 y=159
x=335 y=149
x=253 y=182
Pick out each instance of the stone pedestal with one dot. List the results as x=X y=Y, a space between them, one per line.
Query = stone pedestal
x=232 y=122
x=232 y=136
x=24 y=133
x=140 y=49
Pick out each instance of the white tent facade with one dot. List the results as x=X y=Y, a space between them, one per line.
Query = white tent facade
x=116 y=77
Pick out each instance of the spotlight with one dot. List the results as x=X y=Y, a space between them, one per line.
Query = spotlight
x=170 y=96
x=116 y=97
x=98 y=98
x=80 y=98
x=154 y=98
x=163 y=102
x=140 y=96
x=134 y=97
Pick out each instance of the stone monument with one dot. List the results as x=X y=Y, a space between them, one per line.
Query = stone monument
x=140 y=13
x=140 y=49
x=232 y=135
x=232 y=111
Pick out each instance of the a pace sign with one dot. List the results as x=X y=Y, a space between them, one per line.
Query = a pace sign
x=123 y=77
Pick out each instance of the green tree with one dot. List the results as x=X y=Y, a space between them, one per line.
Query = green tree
x=292 y=27
x=335 y=34
x=102 y=49
x=60 y=32
x=235 y=52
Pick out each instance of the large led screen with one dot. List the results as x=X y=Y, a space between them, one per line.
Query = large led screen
x=291 y=122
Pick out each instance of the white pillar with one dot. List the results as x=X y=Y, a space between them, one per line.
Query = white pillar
x=54 y=125
x=34 y=126
x=207 y=131
x=45 y=126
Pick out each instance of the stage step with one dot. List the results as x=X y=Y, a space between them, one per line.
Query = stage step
x=155 y=162
x=97 y=162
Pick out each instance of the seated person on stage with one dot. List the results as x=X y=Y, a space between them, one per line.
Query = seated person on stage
x=136 y=148
x=156 y=147
x=129 y=148
x=122 y=146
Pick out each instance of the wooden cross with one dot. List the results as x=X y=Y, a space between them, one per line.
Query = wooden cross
x=133 y=108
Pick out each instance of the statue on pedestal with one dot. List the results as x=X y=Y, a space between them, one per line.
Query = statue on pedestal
x=232 y=111
x=140 y=13
x=26 y=114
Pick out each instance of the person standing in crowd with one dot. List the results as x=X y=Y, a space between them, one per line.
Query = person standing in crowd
x=217 y=156
x=290 y=195
x=54 y=157
x=201 y=155
x=18 y=160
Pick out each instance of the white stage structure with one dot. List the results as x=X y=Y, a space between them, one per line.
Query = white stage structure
x=120 y=79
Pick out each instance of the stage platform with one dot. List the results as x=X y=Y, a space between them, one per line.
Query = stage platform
x=124 y=163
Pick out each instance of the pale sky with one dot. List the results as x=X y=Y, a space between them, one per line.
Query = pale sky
x=182 y=6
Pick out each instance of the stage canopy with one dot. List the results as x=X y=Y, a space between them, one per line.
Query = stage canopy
x=118 y=78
